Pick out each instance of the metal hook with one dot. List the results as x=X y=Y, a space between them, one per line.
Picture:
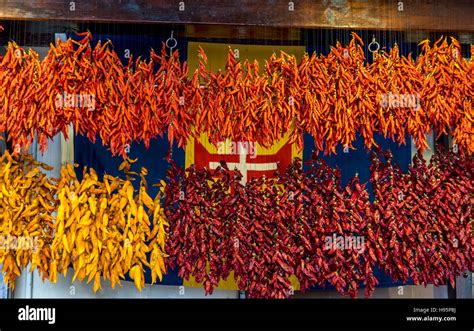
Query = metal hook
x=374 y=42
x=171 y=39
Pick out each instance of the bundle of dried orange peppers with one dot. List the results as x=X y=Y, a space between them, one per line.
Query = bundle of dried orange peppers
x=333 y=97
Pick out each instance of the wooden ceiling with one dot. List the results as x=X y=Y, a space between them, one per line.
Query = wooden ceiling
x=422 y=15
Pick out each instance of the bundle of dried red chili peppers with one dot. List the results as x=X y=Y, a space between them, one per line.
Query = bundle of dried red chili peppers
x=423 y=219
x=332 y=97
x=419 y=227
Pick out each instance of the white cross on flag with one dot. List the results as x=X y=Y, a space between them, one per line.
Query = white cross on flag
x=247 y=157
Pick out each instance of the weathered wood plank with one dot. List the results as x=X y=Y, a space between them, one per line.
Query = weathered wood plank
x=361 y=14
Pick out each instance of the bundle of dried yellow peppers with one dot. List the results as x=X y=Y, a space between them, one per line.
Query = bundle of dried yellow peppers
x=102 y=228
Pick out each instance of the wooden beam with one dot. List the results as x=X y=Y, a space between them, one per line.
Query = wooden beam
x=241 y=32
x=439 y=15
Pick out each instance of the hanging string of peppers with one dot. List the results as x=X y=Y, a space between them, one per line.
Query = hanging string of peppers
x=420 y=226
x=26 y=221
x=305 y=224
x=333 y=97
x=425 y=217
x=103 y=229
